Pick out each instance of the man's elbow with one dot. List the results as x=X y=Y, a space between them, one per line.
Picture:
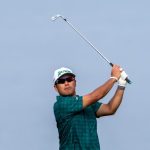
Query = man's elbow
x=112 y=111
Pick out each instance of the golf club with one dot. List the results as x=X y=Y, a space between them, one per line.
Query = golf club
x=86 y=40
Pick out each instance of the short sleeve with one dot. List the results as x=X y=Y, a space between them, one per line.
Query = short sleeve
x=96 y=106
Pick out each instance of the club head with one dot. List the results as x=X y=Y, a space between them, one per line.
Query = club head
x=53 y=18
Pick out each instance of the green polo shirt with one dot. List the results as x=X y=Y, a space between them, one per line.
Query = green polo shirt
x=77 y=127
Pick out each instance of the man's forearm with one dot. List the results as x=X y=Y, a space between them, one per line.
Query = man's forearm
x=117 y=99
x=98 y=93
x=101 y=91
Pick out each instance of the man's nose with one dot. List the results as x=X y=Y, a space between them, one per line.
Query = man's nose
x=66 y=83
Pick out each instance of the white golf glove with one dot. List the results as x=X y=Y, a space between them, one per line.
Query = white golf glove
x=122 y=82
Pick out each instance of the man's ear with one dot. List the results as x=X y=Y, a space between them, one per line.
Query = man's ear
x=55 y=87
x=75 y=82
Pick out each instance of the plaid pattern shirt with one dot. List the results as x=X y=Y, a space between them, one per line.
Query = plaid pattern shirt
x=77 y=127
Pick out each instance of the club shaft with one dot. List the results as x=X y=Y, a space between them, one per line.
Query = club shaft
x=86 y=40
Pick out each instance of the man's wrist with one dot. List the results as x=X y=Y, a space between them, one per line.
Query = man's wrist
x=115 y=78
x=121 y=87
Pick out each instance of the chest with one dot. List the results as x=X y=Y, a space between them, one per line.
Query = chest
x=86 y=116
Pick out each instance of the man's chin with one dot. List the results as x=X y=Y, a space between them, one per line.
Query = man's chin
x=68 y=94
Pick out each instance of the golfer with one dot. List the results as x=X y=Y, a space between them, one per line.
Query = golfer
x=76 y=115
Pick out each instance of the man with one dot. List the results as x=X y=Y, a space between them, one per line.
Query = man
x=76 y=115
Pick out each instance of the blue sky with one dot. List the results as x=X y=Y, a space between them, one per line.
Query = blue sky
x=32 y=47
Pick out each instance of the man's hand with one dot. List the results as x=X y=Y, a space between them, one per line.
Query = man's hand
x=122 y=82
x=116 y=72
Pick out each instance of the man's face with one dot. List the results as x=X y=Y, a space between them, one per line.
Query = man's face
x=66 y=85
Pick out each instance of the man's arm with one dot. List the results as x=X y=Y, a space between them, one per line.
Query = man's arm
x=113 y=104
x=101 y=91
x=98 y=93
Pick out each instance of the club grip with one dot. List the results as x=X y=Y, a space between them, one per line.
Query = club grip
x=111 y=64
x=127 y=79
